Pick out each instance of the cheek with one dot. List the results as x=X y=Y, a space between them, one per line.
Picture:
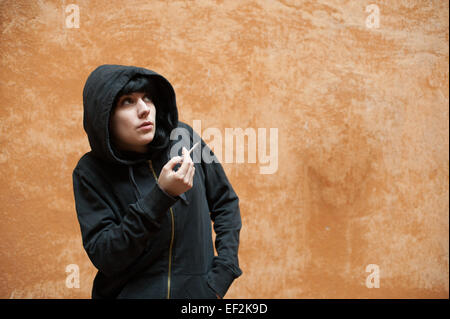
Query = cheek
x=121 y=125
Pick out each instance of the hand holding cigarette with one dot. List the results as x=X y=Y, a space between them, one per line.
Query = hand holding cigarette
x=177 y=182
x=190 y=151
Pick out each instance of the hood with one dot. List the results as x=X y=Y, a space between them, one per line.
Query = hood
x=99 y=93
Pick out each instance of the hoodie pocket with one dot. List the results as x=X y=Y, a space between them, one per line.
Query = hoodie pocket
x=197 y=287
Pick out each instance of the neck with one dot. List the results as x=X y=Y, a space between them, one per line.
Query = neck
x=142 y=149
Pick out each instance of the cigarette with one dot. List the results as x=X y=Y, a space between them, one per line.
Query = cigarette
x=195 y=145
x=190 y=151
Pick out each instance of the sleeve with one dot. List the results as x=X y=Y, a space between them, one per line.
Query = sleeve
x=225 y=214
x=114 y=245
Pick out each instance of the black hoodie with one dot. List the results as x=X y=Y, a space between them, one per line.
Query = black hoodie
x=144 y=242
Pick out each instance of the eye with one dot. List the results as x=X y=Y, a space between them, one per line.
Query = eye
x=147 y=98
x=127 y=101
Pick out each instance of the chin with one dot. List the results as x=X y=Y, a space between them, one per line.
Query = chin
x=147 y=140
x=144 y=142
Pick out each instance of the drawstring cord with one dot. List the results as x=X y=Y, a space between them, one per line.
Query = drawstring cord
x=137 y=192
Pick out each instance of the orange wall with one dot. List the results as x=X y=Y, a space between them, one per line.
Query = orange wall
x=363 y=135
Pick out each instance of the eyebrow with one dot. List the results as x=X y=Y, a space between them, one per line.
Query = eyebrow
x=126 y=95
x=131 y=94
x=122 y=97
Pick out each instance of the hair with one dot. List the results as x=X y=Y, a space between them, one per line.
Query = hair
x=164 y=125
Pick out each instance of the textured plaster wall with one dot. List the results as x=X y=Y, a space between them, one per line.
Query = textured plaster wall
x=363 y=135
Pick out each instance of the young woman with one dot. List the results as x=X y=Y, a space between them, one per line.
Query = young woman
x=145 y=218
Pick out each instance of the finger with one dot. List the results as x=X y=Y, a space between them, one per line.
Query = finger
x=185 y=166
x=173 y=162
x=186 y=176
x=186 y=155
x=191 y=177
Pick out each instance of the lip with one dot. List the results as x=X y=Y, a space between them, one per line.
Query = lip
x=146 y=125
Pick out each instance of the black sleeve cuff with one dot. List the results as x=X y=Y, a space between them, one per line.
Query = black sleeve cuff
x=220 y=279
x=156 y=203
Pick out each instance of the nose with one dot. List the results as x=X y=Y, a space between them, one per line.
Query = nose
x=143 y=108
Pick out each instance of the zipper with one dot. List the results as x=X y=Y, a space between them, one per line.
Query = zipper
x=171 y=237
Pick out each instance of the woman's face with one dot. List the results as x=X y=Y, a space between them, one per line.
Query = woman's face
x=132 y=122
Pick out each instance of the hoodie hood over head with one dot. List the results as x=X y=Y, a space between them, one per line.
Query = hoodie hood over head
x=100 y=93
